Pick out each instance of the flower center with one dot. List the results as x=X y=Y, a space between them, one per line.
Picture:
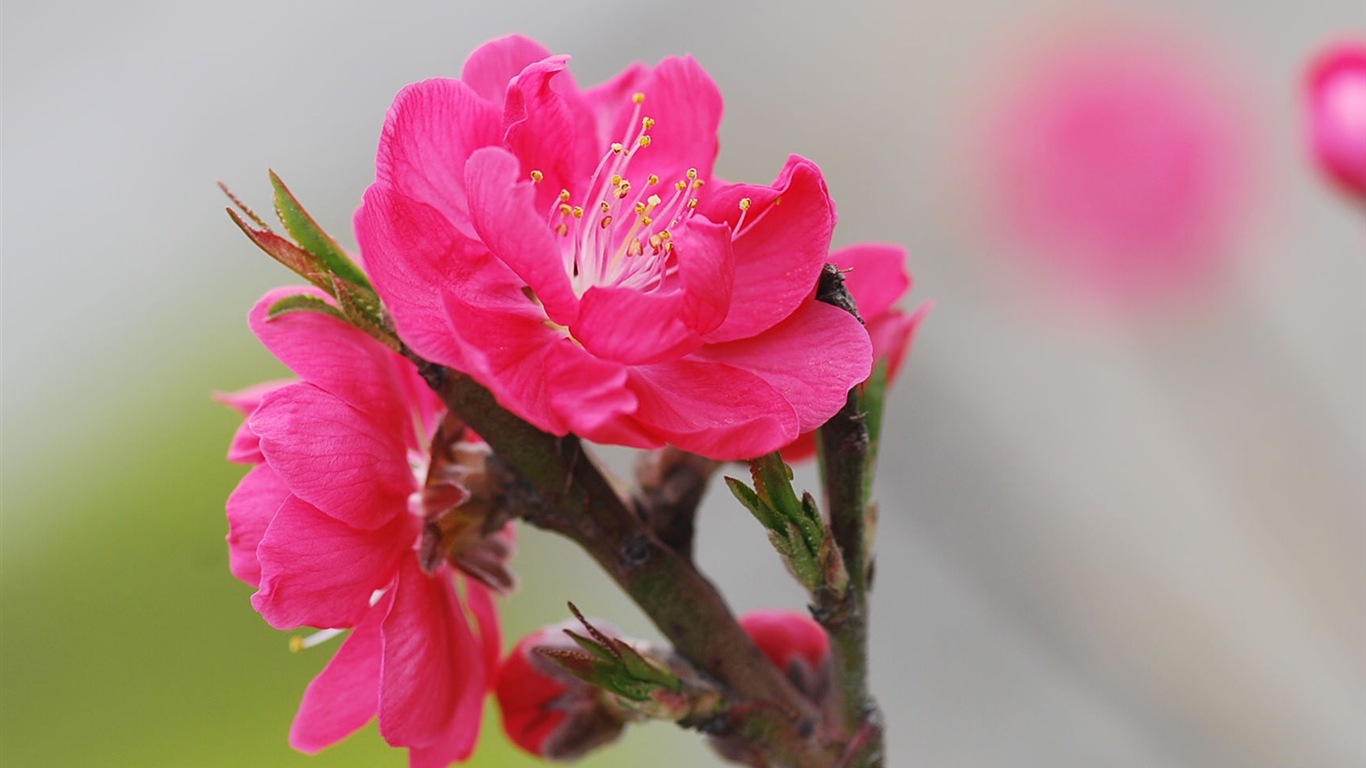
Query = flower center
x=618 y=235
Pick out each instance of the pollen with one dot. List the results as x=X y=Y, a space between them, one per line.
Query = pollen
x=616 y=147
x=564 y=195
x=744 y=203
x=537 y=177
x=653 y=180
x=692 y=174
x=644 y=141
x=647 y=123
x=638 y=98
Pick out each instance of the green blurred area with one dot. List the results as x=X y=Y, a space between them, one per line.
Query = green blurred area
x=124 y=641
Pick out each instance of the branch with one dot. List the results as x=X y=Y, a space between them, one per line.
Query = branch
x=843 y=443
x=578 y=502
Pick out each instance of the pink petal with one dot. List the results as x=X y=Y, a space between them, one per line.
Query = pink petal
x=508 y=220
x=875 y=275
x=479 y=598
x=493 y=65
x=336 y=357
x=813 y=359
x=550 y=129
x=712 y=409
x=345 y=695
x=534 y=370
x=320 y=572
x=893 y=334
x=250 y=509
x=686 y=106
x=433 y=677
x=780 y=249
x=246 y=447
x=607 y=100
x=334 y=456
x=634 y=327
x=411 y=250
x=429 y=133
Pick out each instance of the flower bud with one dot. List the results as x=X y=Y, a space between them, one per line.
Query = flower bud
x=1337 y=114
x=796 y=644
x=547 y=711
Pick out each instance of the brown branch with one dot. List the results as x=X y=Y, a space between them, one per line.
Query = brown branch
x=578 y=502
x=844 y=447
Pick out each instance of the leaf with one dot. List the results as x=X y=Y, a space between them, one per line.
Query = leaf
x=747 y=497
x=301 y=302
x=311 y=237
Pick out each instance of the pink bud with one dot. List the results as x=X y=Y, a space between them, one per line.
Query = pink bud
x=1336 y=87
x=547 y=711
x=795 y=643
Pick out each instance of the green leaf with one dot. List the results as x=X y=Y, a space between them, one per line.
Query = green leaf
x=300 y=302
x=747 y=497
x=311 y=237
x=773 y=484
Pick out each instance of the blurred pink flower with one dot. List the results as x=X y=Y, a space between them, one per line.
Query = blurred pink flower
x=1336 y=91
x=327 y=527
x=876 y=277
x=1119 y=163
x=529 y=232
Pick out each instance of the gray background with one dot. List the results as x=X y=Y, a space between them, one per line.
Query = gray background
x=1138 y=545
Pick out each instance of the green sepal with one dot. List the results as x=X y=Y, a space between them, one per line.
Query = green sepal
x=302 y=302
x=750 y=500
x=362 y=309
x=311 y=237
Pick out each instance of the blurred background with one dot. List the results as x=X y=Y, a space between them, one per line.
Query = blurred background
x=1123 y=506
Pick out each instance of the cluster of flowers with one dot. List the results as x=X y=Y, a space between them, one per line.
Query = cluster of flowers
x=571 y=251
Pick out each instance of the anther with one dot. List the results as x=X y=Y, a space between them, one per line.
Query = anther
x=564 y=195
x=638 y=98
x=652 y=180
x=647 y=123
x=616 y=180
x=616 y=147
x=578 y=211
x=692 y=174
x=537 y=177
x=606 y=222
x=644 y=141
x=744 y=203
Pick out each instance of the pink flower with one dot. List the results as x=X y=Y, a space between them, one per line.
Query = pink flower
x=795 y=644
x=876 y=277
x=570 y=250
x=1119 y=164
x=328 y=528
x=1336 y=90
x=547 y=711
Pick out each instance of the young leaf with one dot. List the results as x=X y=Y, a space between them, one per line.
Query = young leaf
x=311 y=237
x=300 y=302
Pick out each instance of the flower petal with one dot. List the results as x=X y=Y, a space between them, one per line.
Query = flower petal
x=251 y=507
x=246 y=446
x=893 y=334
x=505 y=215
x=479 y=598
x=712 y=409
x=410 y=251
x=534 y=370
x=875 y=274
x=334 y=456
x=429 y=133
x=550 y=129
x=433 y=677
x=813 y=359
x=686 y=107
x=320 y=572
x=493 y=65
x=345 y=695
x=781 y=246
x=338 y=358
x=606 y=101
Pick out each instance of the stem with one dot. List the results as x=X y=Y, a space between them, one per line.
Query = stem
x=843 y=443
x=578 y=502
